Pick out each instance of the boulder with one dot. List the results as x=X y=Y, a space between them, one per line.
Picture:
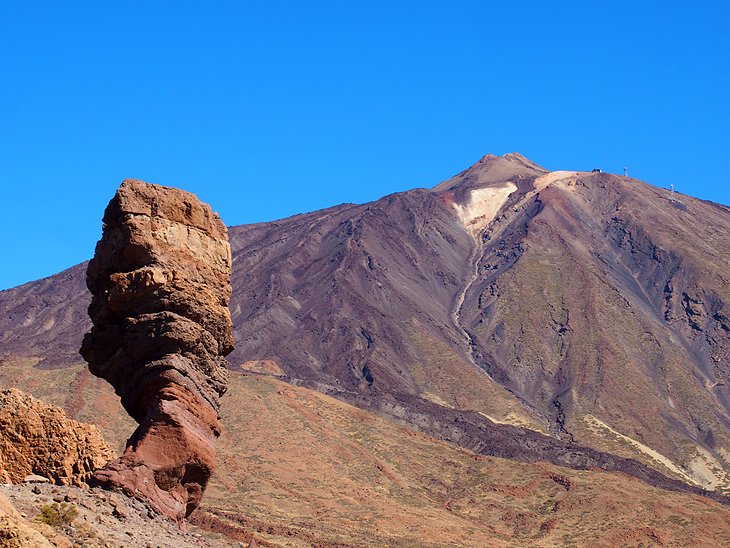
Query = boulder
x=39 y=443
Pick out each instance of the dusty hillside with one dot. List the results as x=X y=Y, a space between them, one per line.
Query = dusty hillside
x=299 y=468
x=302 y=468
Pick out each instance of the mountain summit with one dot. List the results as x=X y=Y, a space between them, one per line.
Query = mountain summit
x=492 y=169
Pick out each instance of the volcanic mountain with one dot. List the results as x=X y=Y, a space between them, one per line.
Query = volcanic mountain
x=586 y=306
x=573 y=317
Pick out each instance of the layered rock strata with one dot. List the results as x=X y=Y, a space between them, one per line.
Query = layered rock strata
x=38 y=438
x=160 y=281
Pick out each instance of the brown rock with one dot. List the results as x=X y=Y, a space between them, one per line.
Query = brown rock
x=38 y=440
x=160 y=281
x=15 y=531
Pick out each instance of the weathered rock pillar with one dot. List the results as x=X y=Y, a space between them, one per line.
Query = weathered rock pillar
x=160 y=280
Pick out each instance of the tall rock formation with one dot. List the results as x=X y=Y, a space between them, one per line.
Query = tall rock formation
x=160 y=281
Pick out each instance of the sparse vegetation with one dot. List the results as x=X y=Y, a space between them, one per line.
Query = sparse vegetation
x=57 y=514
x=315 y=462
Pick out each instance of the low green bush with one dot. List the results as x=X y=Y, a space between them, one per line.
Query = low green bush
x=57 y=514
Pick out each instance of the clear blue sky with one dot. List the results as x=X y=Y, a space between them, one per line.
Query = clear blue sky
x=267 y=109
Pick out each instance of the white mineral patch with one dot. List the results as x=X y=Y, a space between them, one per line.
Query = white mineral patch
x=513 y=419
x=553 y=177
x=483 y=206
x=708 y=471
x=596 y=425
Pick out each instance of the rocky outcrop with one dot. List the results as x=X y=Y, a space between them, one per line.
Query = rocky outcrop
x=37 y=438
x=160 y=281
x=45 y=515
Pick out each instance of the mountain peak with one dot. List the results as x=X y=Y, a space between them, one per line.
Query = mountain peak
x=492 y=169
x=518 y=158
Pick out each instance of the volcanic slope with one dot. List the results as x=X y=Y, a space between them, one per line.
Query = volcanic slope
x=583 y=305
x=601 y=302
x=299 y=468
x=584 y=308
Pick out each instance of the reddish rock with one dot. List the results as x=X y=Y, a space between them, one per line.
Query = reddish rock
x=160 y=281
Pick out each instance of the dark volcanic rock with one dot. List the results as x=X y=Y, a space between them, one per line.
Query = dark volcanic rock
x=160 y=281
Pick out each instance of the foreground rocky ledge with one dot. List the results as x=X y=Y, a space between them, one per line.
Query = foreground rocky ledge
x=50 y=515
